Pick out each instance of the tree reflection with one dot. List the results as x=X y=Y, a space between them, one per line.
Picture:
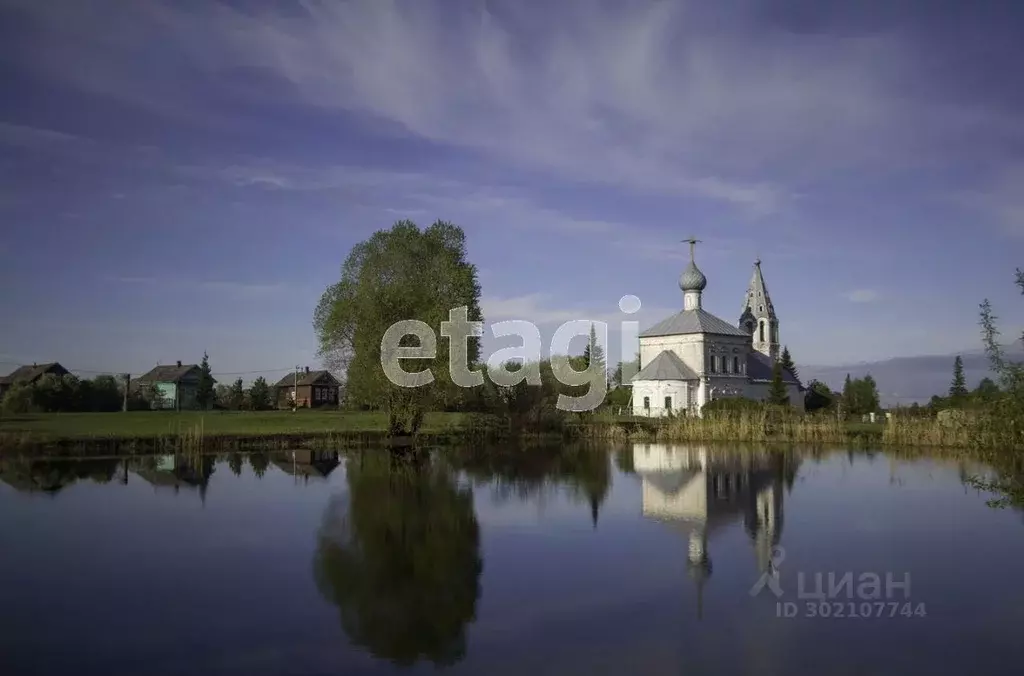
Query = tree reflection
x=259 y=463
x=400 y=557
x=51 y=476
x=524 y=472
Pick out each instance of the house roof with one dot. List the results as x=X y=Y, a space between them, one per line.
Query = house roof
x=666 y=366
x=693 y=321
x=28 y=374
x=304 y=378
x=168 y=374
x=759 y=367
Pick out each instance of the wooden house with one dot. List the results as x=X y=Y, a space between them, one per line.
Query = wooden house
x=308 y=389
x=29 y=375
x=178 y=385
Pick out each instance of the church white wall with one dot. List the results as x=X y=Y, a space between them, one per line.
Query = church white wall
x=657 y=390
x=688 y=347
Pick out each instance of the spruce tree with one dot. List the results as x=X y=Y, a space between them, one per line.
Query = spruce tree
x=204 y=391
x=787 y=363
x=777 y=390
x=848 y=395
x=593 y=351
x=958 y=388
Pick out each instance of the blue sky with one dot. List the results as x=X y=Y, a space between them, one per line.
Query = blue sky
x=189 y=176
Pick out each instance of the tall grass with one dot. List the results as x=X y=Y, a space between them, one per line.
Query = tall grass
x=763 y=425
x=974 y=430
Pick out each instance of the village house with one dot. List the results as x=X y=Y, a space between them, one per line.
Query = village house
x=315 y=389
x=178 y=386
x=29 y=375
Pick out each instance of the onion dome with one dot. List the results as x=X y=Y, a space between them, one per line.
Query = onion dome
x=692 y=278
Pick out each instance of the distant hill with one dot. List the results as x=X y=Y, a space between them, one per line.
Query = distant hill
x=904 y=380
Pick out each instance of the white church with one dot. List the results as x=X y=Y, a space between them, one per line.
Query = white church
x=693 y=357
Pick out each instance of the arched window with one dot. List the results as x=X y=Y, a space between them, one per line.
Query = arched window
x=647 y=403
x=668 y=403
x=714 y=364
x=761 y=331
x=735 y=364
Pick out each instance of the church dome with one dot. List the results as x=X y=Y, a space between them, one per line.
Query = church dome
x=692 y=279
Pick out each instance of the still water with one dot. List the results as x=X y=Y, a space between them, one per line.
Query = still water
x=642 y=559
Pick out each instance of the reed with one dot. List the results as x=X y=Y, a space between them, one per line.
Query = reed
x=974 y=430
x=757 y=426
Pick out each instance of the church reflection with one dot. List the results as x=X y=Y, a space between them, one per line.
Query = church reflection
x=699 y=492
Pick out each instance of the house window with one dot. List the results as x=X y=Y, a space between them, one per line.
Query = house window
x=735 y=364
x=668 y=403
x=647 y=403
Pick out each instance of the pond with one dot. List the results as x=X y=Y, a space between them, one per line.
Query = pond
x=639 y=559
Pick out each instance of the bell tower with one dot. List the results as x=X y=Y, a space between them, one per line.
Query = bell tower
x=758 y=316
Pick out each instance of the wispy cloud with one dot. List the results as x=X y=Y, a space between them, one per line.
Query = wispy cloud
x=861 y=295
x=639 y=95
x=232 y=289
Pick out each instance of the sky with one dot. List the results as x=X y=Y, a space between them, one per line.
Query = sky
x=181 y=177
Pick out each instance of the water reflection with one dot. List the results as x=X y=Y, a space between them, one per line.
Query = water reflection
x=306 y=464
x=399 y=555
x=519 y=474
x=175 y=472
x=52 y=476
x=699 y=492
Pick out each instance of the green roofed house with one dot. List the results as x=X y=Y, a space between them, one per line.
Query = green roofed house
x=28 y=375
x=177 y=385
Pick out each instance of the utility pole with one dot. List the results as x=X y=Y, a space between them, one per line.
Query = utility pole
x=127 y=379
x=295 y=390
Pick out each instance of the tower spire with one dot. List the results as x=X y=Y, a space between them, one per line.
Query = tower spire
x=759 y=312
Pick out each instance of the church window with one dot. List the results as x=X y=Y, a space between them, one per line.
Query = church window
x=735 y=364
x=714 y=364
x=761 y=333
x=668 y=403
x=760 y=308
x=647 y=403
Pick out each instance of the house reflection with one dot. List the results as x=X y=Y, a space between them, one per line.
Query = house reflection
x=699 y=491
x=175 y=472
x=307 y=464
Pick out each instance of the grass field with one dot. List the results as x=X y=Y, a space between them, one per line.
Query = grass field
x=151 y=424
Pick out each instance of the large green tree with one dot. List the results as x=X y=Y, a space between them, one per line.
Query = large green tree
x=236 y=397
x=400 y=558
x=399 y=274
x=204 y=391
x=958 y=386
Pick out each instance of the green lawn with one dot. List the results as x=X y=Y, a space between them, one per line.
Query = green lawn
x=148 y=424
